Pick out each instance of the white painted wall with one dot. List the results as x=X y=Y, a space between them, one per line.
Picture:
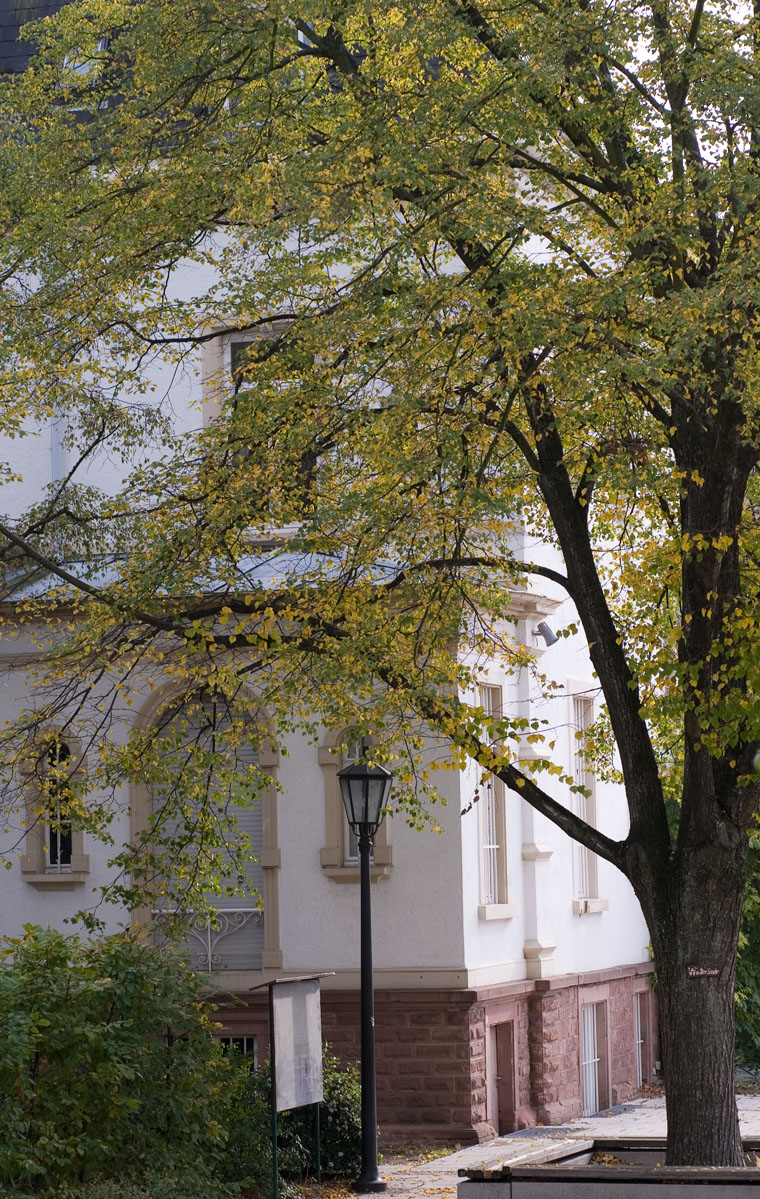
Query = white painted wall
x=426 y=912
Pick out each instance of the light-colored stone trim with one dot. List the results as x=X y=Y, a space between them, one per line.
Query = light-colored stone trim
x=499 y=975
x=443 y=978
x=332 y=855
x=539 y=958
x=533 y=852
x=590 y=907
x=498 y=911
x=33 y=862
x=526 y=605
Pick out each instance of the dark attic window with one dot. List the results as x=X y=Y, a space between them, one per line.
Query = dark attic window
x=240 y=352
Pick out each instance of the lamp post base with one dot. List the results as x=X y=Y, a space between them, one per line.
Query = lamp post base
x=366 y=1187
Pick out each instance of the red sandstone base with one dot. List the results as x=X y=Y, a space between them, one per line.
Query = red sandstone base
x=463 y=1066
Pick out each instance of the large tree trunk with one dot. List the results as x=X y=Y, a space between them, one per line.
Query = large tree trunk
x=694 y=914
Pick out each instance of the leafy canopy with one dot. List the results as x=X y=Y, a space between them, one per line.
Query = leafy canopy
x=497 y=267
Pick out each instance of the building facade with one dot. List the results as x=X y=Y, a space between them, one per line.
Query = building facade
x=511 y=967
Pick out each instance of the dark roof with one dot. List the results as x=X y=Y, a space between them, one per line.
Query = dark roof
x=15 y=55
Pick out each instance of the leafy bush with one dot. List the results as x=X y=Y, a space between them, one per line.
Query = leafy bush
x=248 y=1119
x=112 y=1087
x=340 y=1121
x=747 y=1007
x=107 y=1068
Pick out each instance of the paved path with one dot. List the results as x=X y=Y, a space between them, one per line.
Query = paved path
x=643 y=1118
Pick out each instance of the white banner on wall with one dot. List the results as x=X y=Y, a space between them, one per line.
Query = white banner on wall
x=297 y=1043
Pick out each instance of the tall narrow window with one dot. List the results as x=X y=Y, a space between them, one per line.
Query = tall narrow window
x=493 y=832
x=585 y=864
x=54 y=858
x=339 y=856
x=240 y=356
x=233 y=937
x=641 y=1036
x=58 y=832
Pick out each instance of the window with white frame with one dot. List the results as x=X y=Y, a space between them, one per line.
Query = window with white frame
x=234 y=937
x=492 y=823
x=594 y=1057
x=585 y=863
x=641 y=1036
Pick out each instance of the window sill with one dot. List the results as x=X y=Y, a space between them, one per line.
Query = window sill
x=57 y=882
x=498 y=911
x=590 y=907
x=351 y=874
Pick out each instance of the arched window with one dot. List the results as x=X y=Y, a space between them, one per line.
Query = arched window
x=242 y=932
x=55 y=856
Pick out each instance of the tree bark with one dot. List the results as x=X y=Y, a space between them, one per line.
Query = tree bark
x=694 y=914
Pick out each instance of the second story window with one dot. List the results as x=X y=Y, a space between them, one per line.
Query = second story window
x=585 y=863
x=240 y=352
x=355 y=751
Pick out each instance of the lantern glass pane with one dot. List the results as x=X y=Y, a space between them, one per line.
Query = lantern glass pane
x=376 y=788
x=357 y=791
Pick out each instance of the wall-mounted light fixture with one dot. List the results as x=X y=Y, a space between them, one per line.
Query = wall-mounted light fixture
x=542 y=630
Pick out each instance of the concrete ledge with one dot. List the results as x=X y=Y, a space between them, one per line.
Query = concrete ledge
x=618 y=1182
x=562 y=1171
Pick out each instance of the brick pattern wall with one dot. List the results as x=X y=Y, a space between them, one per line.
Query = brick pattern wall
x=432 y=1050
x=554 y=1055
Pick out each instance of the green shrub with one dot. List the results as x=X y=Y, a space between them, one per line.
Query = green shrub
x=107 y=1068
x=112 y=1087
x=248 y=1120
x=340 y=1121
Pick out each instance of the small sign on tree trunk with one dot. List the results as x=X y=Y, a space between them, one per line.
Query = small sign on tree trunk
x=705 y=971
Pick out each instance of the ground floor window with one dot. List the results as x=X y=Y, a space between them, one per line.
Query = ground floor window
x=594 y=1057
x=242 y=1044
x=641 y=1036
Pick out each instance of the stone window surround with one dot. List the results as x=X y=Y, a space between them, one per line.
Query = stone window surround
x=332 y=855
x=33 y=863
x=269 y=859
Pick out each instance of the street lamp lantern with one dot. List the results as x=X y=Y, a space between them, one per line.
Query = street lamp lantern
x=365 y=792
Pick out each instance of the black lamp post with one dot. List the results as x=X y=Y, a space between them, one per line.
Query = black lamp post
x=365 y=795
